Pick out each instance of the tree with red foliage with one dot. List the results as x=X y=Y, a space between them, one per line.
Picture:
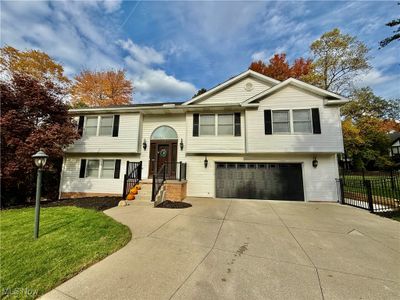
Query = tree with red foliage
x=279 y=68
x=33 y=116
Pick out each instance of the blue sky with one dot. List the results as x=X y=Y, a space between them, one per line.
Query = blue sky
x=171 y=49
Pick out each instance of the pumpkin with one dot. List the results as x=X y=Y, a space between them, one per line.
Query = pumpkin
x=133 y=191
x=138 y=187
x=130 y=197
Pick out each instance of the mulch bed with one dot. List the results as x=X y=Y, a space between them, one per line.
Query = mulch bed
x=97 y=203
x=173 y=204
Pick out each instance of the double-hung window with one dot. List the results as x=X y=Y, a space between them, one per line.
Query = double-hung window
x=106 y=125
x=107 y=170
x=225 y=124
x=207 y=124
x=92 y=168
x=281 y=121
x=91 y=126
x=302 y=122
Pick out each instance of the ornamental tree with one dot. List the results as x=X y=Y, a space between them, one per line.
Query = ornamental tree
x=33 y=116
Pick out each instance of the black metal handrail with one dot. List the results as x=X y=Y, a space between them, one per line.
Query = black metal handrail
x=132 y=176
x=158 y=181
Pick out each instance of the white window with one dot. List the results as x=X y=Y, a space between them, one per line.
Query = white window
x=91 y=126
x=108 y=167
x=92 y=168
x=207 y=124
x=302 y=121
x=225 y=124
x=106 y=125
x=280 y=121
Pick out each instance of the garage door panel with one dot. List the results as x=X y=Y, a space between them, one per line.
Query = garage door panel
x=259 y=181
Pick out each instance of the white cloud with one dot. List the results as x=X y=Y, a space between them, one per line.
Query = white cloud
x=144 y=55
x=260 y=55
x=373 y=77
x=112 y=5
x=80 y=35
x=152 y=84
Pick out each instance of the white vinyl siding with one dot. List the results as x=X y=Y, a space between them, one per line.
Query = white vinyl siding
x=91 y=126
x=106 y=125
x=225 y=124
x=302 y=121
x=293 y=98
x=127 y=140
x=319 y=183
x=281 y=121
x=237 y=93
x=207 y=124
x=108 y=167
x=70 y=181
x=92 y=168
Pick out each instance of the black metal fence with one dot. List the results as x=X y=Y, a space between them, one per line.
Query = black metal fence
x=158 y=180
x=132 y=176
x=377 y=192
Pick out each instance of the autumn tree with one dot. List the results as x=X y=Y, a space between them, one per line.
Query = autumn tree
x=103 y=88
x=33 y=116
x=35 y=63
x=337 y=59
x=395 y=36
x=280 y=69
x=199 y=92
x=367 y=120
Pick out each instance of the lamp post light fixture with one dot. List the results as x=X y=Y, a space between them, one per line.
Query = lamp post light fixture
x=40 y=159
x=181 y=144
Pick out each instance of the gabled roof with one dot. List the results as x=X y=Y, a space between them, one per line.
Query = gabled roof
x=230 y=82
x=332 y=97
x=394 y=137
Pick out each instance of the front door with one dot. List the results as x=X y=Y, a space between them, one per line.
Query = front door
x=163 y=153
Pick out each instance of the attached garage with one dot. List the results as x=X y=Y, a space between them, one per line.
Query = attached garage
x=268 y=181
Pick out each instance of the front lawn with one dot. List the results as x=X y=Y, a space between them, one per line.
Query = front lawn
x=71 y=239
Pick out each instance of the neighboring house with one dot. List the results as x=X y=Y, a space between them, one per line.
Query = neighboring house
x=249 y=137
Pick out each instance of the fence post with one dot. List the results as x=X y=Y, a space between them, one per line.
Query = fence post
x=180 y=171
x=153 y=187
x=341 y=192
x=124 y=189
x=369 y=195
x=140 y=170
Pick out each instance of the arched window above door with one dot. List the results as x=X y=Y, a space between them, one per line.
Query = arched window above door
x=164 y=133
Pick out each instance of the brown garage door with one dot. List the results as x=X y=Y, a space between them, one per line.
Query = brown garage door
x=273 y=181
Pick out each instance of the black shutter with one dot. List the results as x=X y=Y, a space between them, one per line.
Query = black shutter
x=195 y=124
x=315 y=121
x=80 y=125
x=116 y=125
x=267 y=122
x=237 y=124
x=83 y=168
x=117 y=168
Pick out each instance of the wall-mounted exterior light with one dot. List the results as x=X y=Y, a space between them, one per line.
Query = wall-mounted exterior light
x=144 y=145
x=205 y=162
x=181 y=144
x=315 y=162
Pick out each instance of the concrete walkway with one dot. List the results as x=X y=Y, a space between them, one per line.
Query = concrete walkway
x=242 y=249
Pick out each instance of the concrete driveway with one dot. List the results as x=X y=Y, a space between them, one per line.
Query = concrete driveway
x=243 y=249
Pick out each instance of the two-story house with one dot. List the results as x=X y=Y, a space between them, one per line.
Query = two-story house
x=249 y=137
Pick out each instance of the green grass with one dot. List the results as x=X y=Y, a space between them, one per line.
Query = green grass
x=71 y=239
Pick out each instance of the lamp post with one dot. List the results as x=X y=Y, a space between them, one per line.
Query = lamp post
x=40 y=159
